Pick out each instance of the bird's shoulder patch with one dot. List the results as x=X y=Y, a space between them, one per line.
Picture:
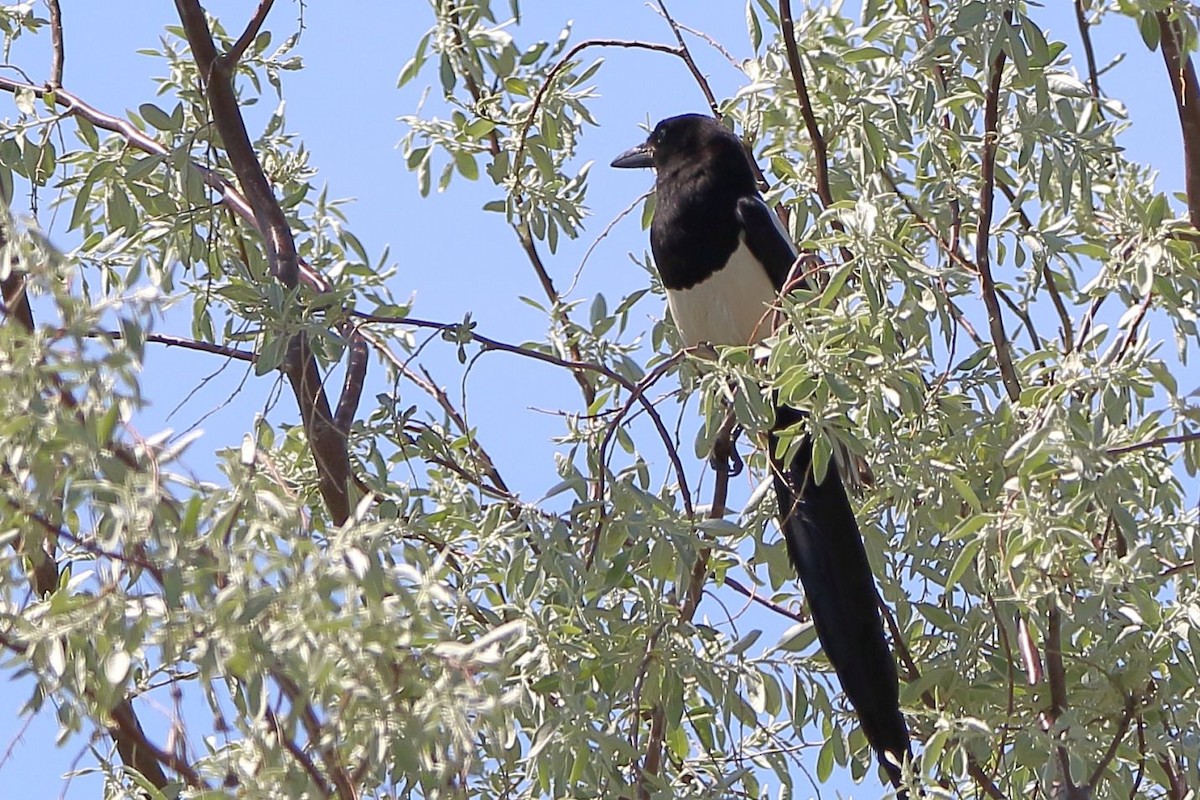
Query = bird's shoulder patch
x=766 y=238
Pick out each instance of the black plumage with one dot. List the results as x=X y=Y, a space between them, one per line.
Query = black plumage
x=723 y=258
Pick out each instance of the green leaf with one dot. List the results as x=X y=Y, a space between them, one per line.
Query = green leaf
x=156 y=117
x=1148 y=28
x=966 y=558
x=860 y=54
x=465 y=162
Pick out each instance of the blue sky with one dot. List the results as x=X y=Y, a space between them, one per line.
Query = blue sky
x=454 y=257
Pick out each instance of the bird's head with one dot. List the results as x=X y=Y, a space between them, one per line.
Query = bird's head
x=675 y=139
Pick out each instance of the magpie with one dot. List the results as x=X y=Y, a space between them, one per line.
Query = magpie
x=724 y=257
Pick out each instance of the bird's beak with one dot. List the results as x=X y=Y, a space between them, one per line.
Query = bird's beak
x=636 y=157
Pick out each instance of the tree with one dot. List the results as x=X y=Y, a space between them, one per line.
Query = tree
x=364 y=604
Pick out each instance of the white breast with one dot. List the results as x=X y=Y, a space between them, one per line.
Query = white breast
x=731 y=306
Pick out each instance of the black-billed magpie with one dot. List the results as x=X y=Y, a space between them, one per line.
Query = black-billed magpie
x=723 y=258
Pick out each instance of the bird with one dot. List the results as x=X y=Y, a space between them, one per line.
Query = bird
x=723 y=258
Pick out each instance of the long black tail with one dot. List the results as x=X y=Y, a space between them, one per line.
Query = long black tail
x=826 y=548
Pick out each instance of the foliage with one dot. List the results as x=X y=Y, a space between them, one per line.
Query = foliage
x=1032 y=518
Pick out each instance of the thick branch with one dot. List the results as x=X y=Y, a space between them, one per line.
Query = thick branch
x=1187 y=102
x=983 y=259
x=140 y=754
x=56 y=45
x=326 y=439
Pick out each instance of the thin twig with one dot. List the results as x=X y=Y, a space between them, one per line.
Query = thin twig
x=1088 y=52
x=754 y=596
x=722 y=451
x=1132 y=705
x=1159 y=442
x=575 y=366
x=820 y=149
x=686 y=55
x=234 y=353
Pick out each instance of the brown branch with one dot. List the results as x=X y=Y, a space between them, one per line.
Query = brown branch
x=939 y=72
x=1115 y=353
x=521 y=229
x=216 y=70
x=297 y=752
x=1089 y=53
x=352 y=385
x=488 y=343
x=1131 y=706
x=755 y=597
x=820 y=150
x=1023 y=315
x=252 y=28
x=1187 y=102
x=234 y=353
x=686 y=54
x=552 y=75
x=1177 y=787
x=912 y=673
x=1183 y=438
x=1055 y=671
x=14 y=301
x=57 y=532
x=1056 y=675
x=991 y=114
x=721 y=457
x=136 y=751
x=327 y=442
x=314 y=729
x=1011 y=679
x=1141 y=772
x=439 y=394
x=525 y=236
x=636 y=396
x=140 y=754
x=56 y=45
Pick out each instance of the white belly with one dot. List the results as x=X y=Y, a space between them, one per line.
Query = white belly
x=731 y=306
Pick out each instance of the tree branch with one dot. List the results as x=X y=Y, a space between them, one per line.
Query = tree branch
x=252 y=28
x=721 y=454
x=1187 y=102
x=1182 y=438
x=684 y=53
x=326 y=439
x=56 y=45
x=983 y=259
x=1089 y=53
x=820 y=150
x=140 y=754
x=494 y=344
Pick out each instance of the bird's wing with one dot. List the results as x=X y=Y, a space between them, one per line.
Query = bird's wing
x=827 y=550
x=766 y=238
